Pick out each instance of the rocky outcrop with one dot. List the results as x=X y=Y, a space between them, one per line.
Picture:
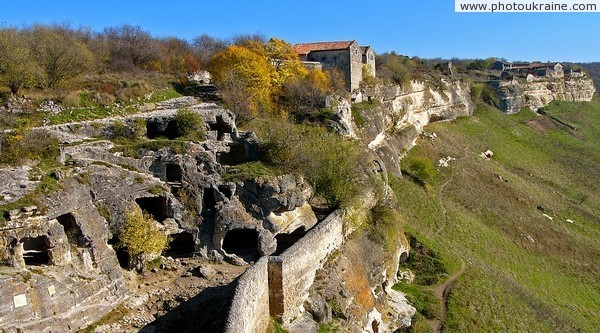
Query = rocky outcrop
x=536 y=92
x=395 y=115
x=270 y=205
x=63 y=274
x=357 y=283
x=62 y=268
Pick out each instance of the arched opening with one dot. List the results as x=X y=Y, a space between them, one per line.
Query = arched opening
x=35 y=251
x=155 y=206
x=157 y=129
x=72 y=230
x=181 y=245
x=243 y=243
x=285 y=241
x=403 y=257
x=122 y=255
x=173 y=173
x=221 y=127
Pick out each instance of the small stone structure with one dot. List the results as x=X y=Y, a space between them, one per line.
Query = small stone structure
x=346 y=56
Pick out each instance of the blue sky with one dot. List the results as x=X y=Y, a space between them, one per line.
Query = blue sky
x=424 y=28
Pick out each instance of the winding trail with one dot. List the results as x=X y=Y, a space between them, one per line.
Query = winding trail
x=441 y=291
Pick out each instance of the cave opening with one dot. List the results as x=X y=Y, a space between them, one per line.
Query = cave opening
x=243 y=243
x=403 y=257
x=285 y=241
x=208 y=203
x=158 y=129
x=221 y=127
x=155 y=206
x=122 y=255
x=173 y=173
x=36 y=251
x=235 y=156
x=72 y=230
x=181 y=245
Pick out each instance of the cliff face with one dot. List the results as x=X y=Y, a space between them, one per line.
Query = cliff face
x=537 y=92
x=399 y=114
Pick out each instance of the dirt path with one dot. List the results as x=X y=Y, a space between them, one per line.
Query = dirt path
x=442 y=290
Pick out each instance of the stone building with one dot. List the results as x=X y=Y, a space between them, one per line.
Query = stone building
x=548 y=69
x=347 y=56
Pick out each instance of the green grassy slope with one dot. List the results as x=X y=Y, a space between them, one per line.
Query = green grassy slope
x=524 y=271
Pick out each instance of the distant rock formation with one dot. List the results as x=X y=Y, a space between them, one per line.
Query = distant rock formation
x=535 y=92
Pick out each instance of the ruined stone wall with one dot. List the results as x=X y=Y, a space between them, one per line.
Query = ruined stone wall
x=303 y=259
x=537 y=92
x=289 y=277
x=249 y=312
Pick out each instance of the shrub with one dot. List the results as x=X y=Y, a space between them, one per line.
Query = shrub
x=189 y=125
x=386 y=226
x=129 y=131
x=331 y=163
x=485 y=93
x=22 y=145
x=421 y=170
x=140 y=236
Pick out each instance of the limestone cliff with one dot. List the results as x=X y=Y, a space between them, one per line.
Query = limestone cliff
x=395 y=115
x=535 y=92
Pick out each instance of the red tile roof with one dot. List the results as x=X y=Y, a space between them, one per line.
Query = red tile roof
x=363 y=49
x=306 y=48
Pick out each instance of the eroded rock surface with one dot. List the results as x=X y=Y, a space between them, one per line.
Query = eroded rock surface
x=536 y=92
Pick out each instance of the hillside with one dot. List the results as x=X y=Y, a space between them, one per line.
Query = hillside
x=525 y=222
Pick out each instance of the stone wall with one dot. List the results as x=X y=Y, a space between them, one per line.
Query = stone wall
x=289 y=277
x=536 y=92
x=335 y=59
x=249 y=312
x=303 y=259
x=356 y=66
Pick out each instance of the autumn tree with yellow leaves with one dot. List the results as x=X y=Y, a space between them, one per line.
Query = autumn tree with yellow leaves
x=140 y=236
x=251 y=76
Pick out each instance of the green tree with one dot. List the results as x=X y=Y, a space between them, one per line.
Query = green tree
x=18 y=67
x=60 y=54
x=140 y=236
x=334 y=165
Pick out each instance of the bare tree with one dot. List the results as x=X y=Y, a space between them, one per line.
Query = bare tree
x=130 y=47
x=206 y=46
